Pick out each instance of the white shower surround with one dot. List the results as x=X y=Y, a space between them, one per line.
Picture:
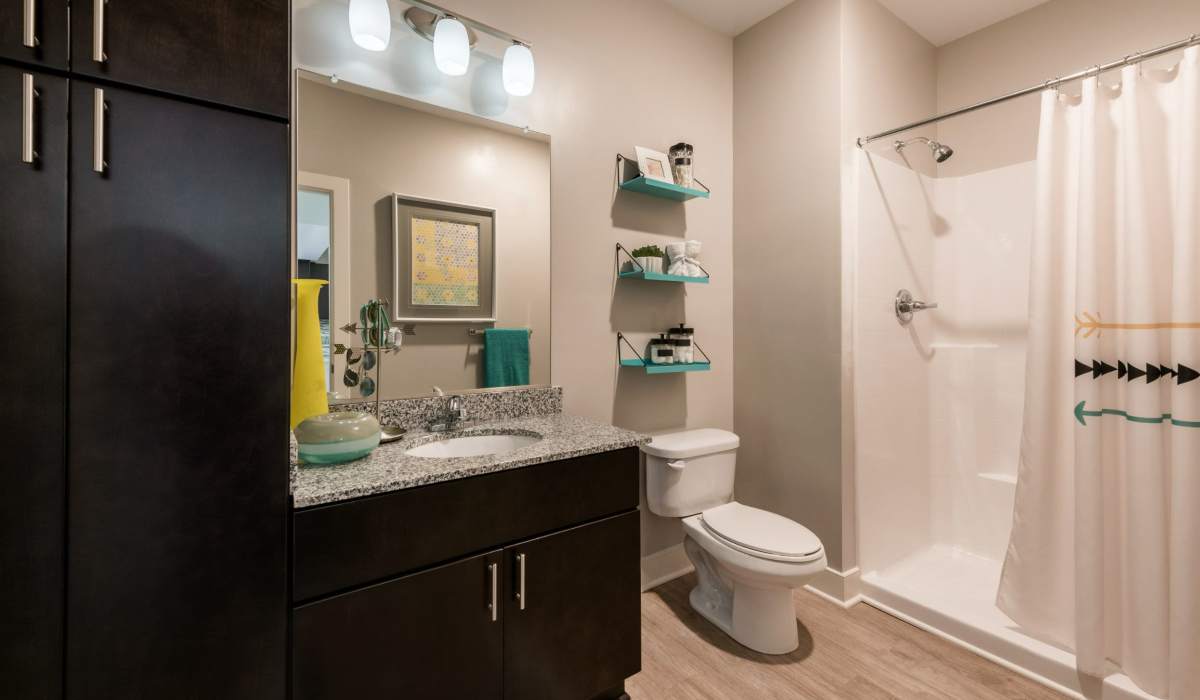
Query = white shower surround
x=938 y=403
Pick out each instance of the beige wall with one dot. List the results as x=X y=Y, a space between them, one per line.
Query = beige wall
x=807 y=81
x=383 y=148
x=1057 y=38
x=787 y=266
x=610 y=75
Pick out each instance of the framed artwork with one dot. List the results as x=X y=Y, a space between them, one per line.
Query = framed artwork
x=654 y=165
x=445 y=262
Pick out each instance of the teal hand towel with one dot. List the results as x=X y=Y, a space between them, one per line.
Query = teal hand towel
x=505 y=357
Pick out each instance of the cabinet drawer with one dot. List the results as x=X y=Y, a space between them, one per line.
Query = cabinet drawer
x=338 y=546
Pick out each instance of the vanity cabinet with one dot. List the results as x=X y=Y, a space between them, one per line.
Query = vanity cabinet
x=231 y=52
x=572 y=624
x=35 y=32
x=33 y=287
x=434 y=634
x=540 y=599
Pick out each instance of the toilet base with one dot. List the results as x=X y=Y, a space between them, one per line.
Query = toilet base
x=761 y=618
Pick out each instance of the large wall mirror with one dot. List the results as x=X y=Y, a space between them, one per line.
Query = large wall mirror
x=443 y=216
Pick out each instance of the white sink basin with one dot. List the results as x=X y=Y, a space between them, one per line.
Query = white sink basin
x=473 y=446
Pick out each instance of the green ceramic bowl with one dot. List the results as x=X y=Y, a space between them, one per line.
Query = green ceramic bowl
x=339 y=437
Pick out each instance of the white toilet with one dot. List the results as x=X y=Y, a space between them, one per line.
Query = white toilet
x=747 y=560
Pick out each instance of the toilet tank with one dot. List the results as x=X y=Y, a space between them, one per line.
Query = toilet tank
x=690 y=471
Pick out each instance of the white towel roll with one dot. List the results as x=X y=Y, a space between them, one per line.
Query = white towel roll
x=684 y=258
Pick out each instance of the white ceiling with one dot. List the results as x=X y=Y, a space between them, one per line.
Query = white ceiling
x=942 y=21
x=939 y=21
x=730 y=17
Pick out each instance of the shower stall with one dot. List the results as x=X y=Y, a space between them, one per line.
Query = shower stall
x=938 y=400
x=939 y=393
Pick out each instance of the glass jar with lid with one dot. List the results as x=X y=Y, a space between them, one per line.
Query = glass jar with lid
x=684 y=345
x=662 y=350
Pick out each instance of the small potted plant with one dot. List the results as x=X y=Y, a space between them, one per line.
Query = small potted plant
x=650 y=257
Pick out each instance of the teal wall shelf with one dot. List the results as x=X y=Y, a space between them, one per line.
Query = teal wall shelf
x=630 y=179
x=666 y=190
x=661 y=277
x=640 y=274
x=651 y=368
x=667 y=369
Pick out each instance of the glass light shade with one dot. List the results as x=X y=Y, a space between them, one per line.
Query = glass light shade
x=451 y=47
x=518 y=70
x=370 y=24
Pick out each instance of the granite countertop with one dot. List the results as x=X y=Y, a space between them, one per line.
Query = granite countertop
x=388 y=468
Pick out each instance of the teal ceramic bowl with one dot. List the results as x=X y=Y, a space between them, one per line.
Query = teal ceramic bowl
x=339 y=437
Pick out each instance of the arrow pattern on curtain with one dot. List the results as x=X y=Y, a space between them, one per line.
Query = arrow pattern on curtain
x=1091 y=324
x=1081 y=412
x=1130 y=371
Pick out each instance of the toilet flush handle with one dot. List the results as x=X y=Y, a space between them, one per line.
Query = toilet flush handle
x=677 y=465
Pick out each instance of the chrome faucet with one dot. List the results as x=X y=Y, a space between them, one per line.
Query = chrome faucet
x=450 y=417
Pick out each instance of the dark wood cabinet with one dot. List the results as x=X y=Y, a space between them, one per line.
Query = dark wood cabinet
x=572 y=625
x=47 y=44
x=33 y=287
x=231 y=52
x=178 y=391
x=143 y=545
x=433 y=635
x=411 y=627
x=338 y=546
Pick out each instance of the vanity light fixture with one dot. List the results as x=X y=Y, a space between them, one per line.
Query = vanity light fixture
x=518 y=71
x=451 y=47
x=370 y=24
x=454 y=36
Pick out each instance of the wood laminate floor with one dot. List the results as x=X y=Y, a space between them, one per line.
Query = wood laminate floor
x=856 y=654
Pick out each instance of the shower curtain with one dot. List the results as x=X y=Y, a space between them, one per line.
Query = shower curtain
x=1104 y=557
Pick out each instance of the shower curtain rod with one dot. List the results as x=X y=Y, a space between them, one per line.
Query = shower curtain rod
x=1094 y=70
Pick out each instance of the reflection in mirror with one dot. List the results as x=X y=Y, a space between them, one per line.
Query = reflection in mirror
x=444 y=216
x=314 y=228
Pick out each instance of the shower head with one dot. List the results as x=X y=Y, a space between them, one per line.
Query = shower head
x=941 y=152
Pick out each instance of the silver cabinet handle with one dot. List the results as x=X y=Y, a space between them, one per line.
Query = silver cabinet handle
x=98 y=109
x=521 y=581
x=98 y=54
x=492 y=570
x=29 y=24
x=28 y=95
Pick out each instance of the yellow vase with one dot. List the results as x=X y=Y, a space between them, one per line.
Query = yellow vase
x=308 y=377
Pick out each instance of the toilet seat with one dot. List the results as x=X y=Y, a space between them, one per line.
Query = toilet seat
x=761 y=533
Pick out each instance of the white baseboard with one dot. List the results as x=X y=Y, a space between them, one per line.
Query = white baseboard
x=840 y=587
x=664 y=565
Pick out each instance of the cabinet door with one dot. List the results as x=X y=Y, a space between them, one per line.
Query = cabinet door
x=34 y=31
x=572 y=627
x=33 y=288
x=178 y=401
x=232 y=52
x=435 y=634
